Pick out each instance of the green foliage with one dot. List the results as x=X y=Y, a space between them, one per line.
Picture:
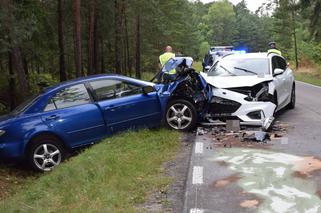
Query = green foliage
x=221 y=21
x=38 y=79
x=254 y=32
x=113 y=176
x=190 y=27
x=225 y=24
x=204 y=47
x=283 y=26
x=311 y=51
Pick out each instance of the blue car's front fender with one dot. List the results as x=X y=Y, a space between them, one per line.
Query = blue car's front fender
x=20 y=132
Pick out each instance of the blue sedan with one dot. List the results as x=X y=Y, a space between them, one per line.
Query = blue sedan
x=83 y=111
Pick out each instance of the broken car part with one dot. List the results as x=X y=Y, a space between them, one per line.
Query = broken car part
x=245 y=87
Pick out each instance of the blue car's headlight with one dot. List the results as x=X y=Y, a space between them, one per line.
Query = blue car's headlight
x=2 y=132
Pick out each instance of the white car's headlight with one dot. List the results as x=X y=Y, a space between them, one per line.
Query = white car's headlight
x=2 y=132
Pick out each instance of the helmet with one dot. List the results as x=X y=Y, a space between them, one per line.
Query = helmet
x=272 y=44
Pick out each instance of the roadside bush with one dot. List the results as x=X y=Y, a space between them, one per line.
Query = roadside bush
x=40 y=78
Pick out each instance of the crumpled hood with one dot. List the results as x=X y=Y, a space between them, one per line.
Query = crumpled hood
x=234 y=81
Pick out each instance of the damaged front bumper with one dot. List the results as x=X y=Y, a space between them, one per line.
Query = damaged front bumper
x=227 y=104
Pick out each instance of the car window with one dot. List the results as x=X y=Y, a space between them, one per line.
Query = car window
x=68 y=97
x=110 y=89
x=50 y=106
x=275 y=63
x=278 y=62
x=282 y=63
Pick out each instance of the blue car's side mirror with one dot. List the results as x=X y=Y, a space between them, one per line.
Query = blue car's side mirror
x=148 y=89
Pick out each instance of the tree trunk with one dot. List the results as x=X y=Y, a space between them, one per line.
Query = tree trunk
x=12 y=83
x=295 y=40
x=77 y=26
x=117 y=37
x=138 y=68
x=91 y=32
x=15 y=51
x=96 y=45
x=127 y=48
x=25 y=64
x=62 y=62
x=102 y=60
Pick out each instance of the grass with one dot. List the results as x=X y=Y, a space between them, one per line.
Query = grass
x=308 y=78
x=112 y=176
x=308 y=72
x=147 y=76
x=311 y=74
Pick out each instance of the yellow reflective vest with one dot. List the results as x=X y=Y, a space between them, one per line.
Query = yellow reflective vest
x=275 y=51
x=164 y=58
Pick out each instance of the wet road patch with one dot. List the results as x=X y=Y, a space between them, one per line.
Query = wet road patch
x=273 y=177
x=226 y=181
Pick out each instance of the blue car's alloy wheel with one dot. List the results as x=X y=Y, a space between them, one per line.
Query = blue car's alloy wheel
x=180 y=115
x=45 y=154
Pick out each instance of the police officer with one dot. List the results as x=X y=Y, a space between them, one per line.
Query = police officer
x=166 y=56
x=273 y=49
x=170 y=75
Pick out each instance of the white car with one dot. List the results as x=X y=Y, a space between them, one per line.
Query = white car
x=250 y=87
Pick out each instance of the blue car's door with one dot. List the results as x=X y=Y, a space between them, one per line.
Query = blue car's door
x=125 y=106
x=72 y=114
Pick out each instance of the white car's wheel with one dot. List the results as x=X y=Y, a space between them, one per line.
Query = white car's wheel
x=293 y=98
x=180 y=115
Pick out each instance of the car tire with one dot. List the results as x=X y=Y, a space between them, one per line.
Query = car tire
x=291 y=105
x=180 y=115
x=45 y=153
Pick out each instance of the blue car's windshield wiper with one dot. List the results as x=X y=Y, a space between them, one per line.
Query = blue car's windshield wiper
x=245 y=70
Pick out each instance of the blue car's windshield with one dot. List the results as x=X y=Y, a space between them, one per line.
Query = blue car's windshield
x=24 y=105
x=173 y=63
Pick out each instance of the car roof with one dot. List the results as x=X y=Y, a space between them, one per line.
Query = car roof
x=252 y=55
x=95 y=77
x=221 y=47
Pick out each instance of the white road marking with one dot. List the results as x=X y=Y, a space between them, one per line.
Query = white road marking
x=309 y=84
x=196 y=211
x=197 y=175
x=199 y=148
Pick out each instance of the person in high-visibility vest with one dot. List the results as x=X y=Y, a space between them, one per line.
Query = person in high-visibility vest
x=170 y=75
x=165 y=57
x=273 y=49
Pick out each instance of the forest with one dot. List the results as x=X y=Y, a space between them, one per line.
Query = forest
x=43 y=42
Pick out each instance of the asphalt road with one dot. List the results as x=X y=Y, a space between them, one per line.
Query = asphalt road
x=282 y=176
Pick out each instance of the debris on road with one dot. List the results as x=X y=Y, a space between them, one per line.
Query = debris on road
x=232 y=134
x=224 y=182
x=255 y=136
x=249 y=203
x=233 y=125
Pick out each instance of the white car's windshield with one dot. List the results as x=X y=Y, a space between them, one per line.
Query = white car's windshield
x=231 y=66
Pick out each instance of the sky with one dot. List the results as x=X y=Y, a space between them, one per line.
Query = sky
x=251 y=4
